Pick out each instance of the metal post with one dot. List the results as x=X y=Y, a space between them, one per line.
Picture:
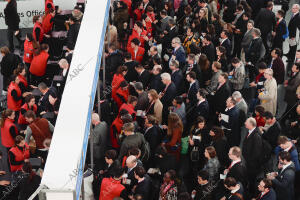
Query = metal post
x=92 y=147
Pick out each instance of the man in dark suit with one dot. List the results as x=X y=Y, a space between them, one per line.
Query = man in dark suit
x=229 y=122
x=143 y=186
x=208 y=48
x=226 y=43
x=176 y=76
x=280 y=30
x=251 y=151
x=143 y=75
x=236 y=169
x=153 y=136
x=178 y=52
x=193 y=89
x=240 y=30
x=274 y=130
x=266 y=190
x=143 y=101
x=169 y=34
x=254 y=52
x=113 y=61
x=278 y=66
x=229 y=10
x=192 y=66
x=292 y=27
x=201 y=108
x=167 y=95
x=151 y=57
x=155 y=82
x=221 y=94
x=265 y=21
x=283 y=181
x=131 y=74
x=131 y=164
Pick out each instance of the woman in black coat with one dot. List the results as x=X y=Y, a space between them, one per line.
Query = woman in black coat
x=219 y=141
x=8 y=64
x=12 y=20
x=29 y=183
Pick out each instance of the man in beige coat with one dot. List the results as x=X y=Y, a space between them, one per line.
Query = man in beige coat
x=268 y=97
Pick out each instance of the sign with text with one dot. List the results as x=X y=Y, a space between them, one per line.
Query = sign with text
x=29 y=8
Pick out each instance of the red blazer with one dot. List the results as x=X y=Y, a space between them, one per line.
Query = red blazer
x=115 y=84
x=260 y=121
x=136 y=35
x=139 y=55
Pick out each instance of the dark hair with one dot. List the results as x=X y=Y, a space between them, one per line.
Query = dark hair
x=278 y=52
x=207 y=37
x=19 y=69
x=172 y=174
x=235 y=60
x=139 y=24
x=27 y=168
x=132 y=99
x=284 y=155
x=28 y=98
x=203 y=174
x=140 y=171
x=134 y=152
x=219 y=133
x=225 y=75
x=200 y=119
x=35 y=18
x=118 y=172
x=202 y=92
x=44 y=46
x=262 y=65
x=122 y=69
x=268 y=115
x=282 y=140
x=204 y=62
x=267 y=182
x=297 y=64
x=192 y=75
x=19 y=139
x=161 y=150
x=30 y=114
x=230 y=182
x=226 y=33
x=111 y=154
x=260 y=110
x=6 y=113
x=211 y=151
x=157 y=60
x=179 y=100
x=127 y=55
x=163 y=12
x=135 y=41
x=281 y=13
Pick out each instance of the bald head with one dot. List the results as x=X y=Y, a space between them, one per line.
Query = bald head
x=131 y=161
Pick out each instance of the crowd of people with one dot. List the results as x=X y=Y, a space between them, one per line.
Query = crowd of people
x=196 y=100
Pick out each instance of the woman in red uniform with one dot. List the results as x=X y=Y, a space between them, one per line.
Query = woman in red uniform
x=38 y=31
x=38 y=65
x=28 y=105
x=14 y=95
x=21 y=73
x=47 y=23
x=117 y=79
x=8 y=129
x=122 y=94
x=28 y=50
x=19 y=154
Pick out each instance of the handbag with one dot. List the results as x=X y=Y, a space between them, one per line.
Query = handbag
x=195 y=156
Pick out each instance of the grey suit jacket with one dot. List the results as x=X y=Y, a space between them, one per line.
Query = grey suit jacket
x=247 y=40
x=100 y=135
x=214 y=81
x=165 y=23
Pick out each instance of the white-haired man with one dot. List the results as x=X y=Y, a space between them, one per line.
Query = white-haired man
x=240 y=102
x=167 y=95
x=251 y=151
